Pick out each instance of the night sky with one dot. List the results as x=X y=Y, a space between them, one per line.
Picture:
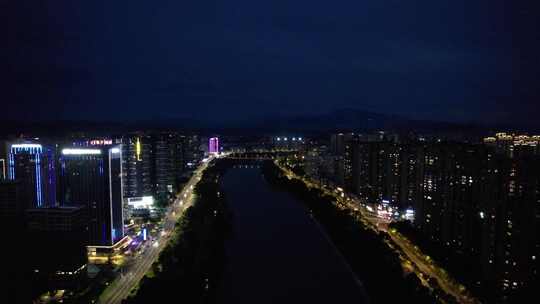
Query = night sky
x=452 y=60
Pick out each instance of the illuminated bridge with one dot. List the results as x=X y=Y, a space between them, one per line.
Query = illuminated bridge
x=264 y=155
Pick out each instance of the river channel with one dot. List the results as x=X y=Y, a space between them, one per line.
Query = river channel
x=278 y=253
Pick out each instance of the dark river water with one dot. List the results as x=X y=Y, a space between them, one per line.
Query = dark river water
x=278 y=253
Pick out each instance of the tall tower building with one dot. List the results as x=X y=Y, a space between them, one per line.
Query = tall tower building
x=93 y=177
x=164 y=164
x=34 y=167
x=137 y=167
x=11 y=210
x=213 y=145
x=3 y=160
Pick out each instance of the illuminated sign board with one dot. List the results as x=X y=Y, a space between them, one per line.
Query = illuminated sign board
x=81 y=151
x=101 y=142
x=144 y=202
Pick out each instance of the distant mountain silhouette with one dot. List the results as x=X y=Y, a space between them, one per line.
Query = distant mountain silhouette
x=342 y=120
x=355 y=120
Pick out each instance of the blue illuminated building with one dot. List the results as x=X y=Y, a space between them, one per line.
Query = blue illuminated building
x=93 y=177
x=34 y=167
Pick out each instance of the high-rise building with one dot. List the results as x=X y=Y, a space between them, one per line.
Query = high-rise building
x=192 y=154
x=341 y=146
x=213 y=145
x=3 y=168
x=11 y=207
x=164 y=147
x=57 y=219
x=137 y=165
x=360 y=169
x=337 y=142
x=93 y=177
x=59 y=233
x=4 y=152
x=481 y=203
x=382 y=171
x=506 y=143
x=34 y=166
x=517 y=219
x=154 y=164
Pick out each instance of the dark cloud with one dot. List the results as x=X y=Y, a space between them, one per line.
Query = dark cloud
x=447 y=60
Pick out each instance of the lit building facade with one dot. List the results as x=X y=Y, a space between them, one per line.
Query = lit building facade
x=191 y=152
x=137 y=166
x=164 y=148
x=34 y=166
x=479 y=202
x=213 y=145
x=93 y=177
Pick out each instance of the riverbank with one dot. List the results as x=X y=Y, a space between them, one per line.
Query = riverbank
x=378 y=266
x=190 y=267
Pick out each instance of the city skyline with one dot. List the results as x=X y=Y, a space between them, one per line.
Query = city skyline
x=272 y=151
x=116 y=202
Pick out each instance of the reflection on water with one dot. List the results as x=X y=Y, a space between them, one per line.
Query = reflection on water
x=278 y=254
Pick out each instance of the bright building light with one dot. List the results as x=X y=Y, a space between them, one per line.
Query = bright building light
x=115 y=150
x=25 y=146
x=101 y=142
x=143 y=202
x=81 y=151
x=138 y=149
x=481 y=214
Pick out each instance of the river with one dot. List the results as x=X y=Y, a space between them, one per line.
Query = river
x=278 y=253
